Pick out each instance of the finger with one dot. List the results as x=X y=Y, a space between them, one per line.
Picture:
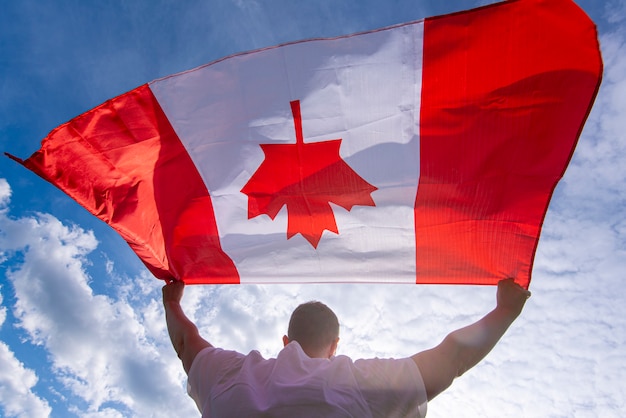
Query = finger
x=169 y=281
x=513 y=283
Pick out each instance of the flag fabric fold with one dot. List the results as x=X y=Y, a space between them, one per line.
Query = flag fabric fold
x=426 y=152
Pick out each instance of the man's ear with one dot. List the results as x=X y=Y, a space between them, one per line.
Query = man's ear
x=285 y=340
x=333 y=348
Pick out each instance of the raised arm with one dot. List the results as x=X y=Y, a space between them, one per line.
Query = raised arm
x=464 y=348
x=184 y=334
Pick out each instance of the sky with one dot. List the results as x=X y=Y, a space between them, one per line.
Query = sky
x=82 y=331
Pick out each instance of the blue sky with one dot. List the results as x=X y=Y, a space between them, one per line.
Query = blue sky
x=81 y=324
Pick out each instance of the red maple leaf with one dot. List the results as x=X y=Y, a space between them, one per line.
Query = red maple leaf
x=306 y=178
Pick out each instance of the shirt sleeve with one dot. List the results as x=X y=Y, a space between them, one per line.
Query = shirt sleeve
x=392 y=387
x=207 y=370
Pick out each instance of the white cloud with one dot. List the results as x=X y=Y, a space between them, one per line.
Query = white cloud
x=5 y=198
x=5 y=193
x=16 y=383
x=98 y=346
x=3 y=310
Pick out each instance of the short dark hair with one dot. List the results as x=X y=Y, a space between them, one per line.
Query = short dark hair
x=313 y=325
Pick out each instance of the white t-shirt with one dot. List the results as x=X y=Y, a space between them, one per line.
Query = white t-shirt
x=293 y=385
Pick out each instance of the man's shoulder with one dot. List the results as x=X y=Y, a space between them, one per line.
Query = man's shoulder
x=223 y=353
x=217 y=358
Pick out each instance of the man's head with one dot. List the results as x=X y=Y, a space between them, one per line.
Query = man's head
x=316 y=328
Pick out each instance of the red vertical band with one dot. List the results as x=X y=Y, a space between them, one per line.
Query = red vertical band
x=124 y=163
x=506 y=90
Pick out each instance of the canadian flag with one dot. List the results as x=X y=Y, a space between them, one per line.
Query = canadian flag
x=425 y=152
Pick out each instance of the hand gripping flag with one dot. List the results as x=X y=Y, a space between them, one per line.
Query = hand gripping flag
x=425 y=152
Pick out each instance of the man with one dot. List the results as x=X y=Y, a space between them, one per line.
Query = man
x=306 y=379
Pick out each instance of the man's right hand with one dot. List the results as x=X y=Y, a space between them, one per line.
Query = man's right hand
x=511 y=297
